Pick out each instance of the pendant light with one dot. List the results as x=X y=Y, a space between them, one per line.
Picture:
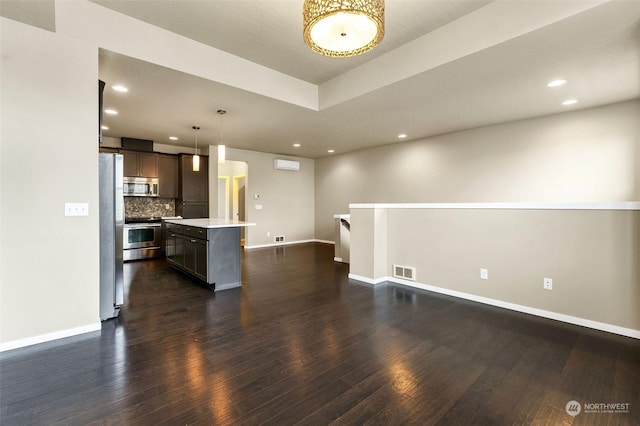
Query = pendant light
x=196 y=157
x=343 y=28
x=222 y=151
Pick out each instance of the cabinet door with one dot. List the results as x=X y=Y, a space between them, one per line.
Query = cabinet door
x=170 y=245
x=168 y=176
x=178 y=249
x=200 y=256
x=147 y=164
x=189 y=254
x=194 y=186
x=129 y=163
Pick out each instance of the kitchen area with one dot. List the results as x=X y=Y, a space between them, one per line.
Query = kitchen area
x=156 y=206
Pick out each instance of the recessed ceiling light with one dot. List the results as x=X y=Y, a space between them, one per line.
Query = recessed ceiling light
x=119 y=88
x=173 y=138
x=297 y=145
x=104 y=127
x=402 y=135
x=570 y=102
x=556 y=83
x=331 y=151
x=111 y=111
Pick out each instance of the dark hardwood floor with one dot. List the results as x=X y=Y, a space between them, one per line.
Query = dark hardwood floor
x=301 y=344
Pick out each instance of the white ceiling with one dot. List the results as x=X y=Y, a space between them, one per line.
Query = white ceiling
x=440 y=69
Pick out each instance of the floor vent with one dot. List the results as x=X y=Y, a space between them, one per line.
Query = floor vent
x=279 y=239
x=404 y=272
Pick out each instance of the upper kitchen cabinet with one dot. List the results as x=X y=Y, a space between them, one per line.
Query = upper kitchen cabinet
x=140 y=164
x=168 y=176
x=194 y=186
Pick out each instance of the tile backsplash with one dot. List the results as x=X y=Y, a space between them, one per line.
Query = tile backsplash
x=149 y=206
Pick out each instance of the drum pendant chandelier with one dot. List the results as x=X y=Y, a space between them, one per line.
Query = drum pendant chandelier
x=343 y=28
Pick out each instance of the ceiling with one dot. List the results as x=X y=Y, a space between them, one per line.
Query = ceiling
x=470 y=83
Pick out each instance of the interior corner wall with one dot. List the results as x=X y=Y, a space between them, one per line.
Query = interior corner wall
x=286 y=197
x=589 y=155
x=49 y=273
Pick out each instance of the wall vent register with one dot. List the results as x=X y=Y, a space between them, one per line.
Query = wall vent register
x=404 y=272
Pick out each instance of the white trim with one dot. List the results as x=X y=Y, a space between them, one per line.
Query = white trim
x=333 y=243
x=342 y=216
x=286 y=243
x=622 y=205
x=42 y=338
x=337 y=259
x=610 y=328
x=368 y=280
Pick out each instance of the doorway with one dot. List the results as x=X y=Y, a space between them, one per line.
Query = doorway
x=232 y=183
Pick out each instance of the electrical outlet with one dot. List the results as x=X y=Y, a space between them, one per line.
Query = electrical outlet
x=547 y=284
x=484 y=274
x=279 y=239
x=268 y=234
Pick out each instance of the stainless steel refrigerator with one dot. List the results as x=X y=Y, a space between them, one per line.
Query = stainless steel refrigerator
x=111 y=234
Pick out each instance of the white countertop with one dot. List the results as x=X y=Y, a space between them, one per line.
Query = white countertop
x=212 y=222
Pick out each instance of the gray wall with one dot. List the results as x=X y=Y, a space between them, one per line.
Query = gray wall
x=591 y=255
x=286 y=197
x=587 y=155
x=49 y=273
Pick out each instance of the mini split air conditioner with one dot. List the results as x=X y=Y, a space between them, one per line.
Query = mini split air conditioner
x=286 y=165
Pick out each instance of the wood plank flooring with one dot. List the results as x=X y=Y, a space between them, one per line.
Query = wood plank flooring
x=300 y=343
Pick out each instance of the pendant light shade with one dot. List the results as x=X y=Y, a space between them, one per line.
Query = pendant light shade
x=222 y=150
x=343 y=28
x=196 y=157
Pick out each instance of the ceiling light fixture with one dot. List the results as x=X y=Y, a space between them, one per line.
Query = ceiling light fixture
x=331 y=151
x=343 y=28
x=173 y=138
x=570 y=102
x=103 y=127
x=120 y=88
x=296 y=145
x=222 y=150
x=110 y=111
x=556 y=83
x=196 y=157
x=402 y=135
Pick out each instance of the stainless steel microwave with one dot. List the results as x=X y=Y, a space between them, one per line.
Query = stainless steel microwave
x=140 y=187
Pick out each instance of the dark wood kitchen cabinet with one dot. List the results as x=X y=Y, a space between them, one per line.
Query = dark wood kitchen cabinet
x=193 y=188
x=207 y=249
x=186 y=248
x=167 y=176
x=140 y=164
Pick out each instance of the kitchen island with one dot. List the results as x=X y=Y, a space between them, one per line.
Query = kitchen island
x=206 y=249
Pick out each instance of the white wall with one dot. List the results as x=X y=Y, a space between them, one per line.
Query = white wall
x=587 y=155
x=286 y=197
x=49 y=274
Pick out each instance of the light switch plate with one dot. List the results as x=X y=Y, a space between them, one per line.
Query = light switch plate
x=76 y=209
x=484 y=274
x=258 y=206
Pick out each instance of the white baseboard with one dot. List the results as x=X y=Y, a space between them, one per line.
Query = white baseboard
x=42 y=338
x=610 y=328
x=368 y=280
x=287 y=243
x=333 y=243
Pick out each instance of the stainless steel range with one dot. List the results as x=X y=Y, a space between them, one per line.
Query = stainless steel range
x=142 y=238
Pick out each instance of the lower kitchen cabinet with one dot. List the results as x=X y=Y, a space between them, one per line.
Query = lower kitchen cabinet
x=210 y=255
